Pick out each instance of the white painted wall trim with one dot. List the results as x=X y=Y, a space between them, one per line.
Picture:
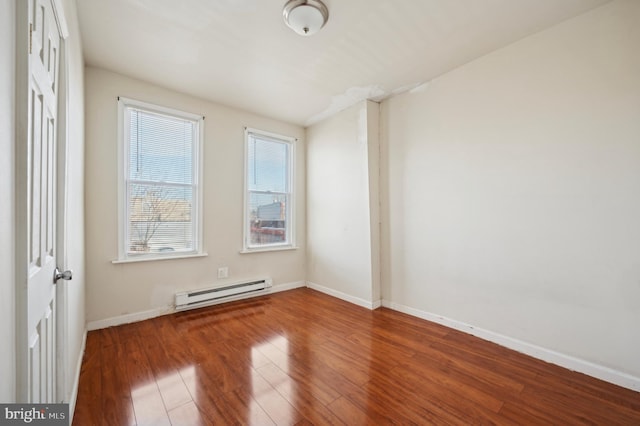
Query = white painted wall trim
x=129 y=318
x=344 y=296
x=575 y=364
x=73 y=397
x=287 y=286
x=165 y=310
x=59 y=12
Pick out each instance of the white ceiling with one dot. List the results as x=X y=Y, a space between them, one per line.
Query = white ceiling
x=240 y=53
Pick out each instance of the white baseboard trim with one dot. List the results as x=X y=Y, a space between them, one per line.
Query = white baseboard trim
x=344 y=296
x=129 y=318
x=575 y=364
x=288 y=286
x=73 y=398
x=165 y=310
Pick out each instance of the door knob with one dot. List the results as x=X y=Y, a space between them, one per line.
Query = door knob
x=66 y=275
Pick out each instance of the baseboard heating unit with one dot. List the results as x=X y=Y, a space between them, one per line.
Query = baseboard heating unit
x=214 y=295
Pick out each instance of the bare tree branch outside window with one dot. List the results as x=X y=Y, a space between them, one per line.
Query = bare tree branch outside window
x=151 y=210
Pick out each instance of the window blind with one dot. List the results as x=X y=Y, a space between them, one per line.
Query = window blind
x=160 y=182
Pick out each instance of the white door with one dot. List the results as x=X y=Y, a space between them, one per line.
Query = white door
x=39 y=335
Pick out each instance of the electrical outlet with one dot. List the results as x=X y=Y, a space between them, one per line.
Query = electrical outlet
x=223 y=272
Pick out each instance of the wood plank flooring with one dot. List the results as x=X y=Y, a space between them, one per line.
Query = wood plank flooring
x=301 y=357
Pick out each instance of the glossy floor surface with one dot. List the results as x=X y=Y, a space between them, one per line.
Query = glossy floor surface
x=301 y=357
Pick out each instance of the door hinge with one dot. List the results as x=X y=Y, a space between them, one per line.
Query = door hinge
x=30 y=37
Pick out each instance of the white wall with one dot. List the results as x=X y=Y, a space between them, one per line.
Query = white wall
x=75 y=238
x=373 y=145
x=511 y=191
x=7 y=207
x=340 y=257
x=129 y=288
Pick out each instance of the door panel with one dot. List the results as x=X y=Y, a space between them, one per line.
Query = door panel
x=41 y=186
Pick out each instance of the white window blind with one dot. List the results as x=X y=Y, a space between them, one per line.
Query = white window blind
x=268 y=207
x=160 y=181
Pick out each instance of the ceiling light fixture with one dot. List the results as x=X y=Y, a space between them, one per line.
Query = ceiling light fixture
x=305 y=17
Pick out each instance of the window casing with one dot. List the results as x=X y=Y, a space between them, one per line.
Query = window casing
x=269 y=178
x=160 y=194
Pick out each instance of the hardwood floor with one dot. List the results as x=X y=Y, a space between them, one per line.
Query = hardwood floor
x=302 y=357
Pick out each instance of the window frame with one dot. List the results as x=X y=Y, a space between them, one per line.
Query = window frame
x=290 y=242
x=124 y=104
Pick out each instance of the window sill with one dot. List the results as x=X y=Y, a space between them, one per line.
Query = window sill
x=154 y=258
x=267 y=249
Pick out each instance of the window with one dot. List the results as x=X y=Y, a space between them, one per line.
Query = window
x=159 y=181
x=268 y=191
